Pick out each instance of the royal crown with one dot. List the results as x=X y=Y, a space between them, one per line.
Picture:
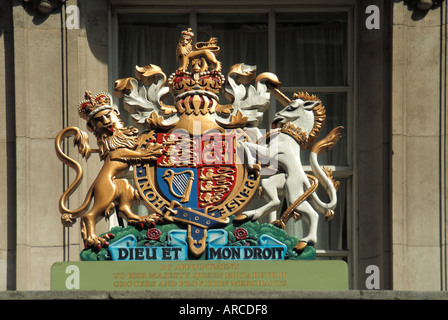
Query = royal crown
x=184 y=82
x=94 y=104
x=188 y=32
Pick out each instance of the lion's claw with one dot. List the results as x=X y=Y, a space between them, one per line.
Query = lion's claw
x=97 y=243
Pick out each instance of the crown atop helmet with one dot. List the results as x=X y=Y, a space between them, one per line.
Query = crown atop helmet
x=94 y=104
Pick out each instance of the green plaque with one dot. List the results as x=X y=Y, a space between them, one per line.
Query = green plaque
x=200 y=275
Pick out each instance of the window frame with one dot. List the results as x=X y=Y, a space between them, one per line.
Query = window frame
x=349 y=171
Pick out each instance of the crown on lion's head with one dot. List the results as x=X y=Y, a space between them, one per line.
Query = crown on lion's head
x=94 y=104
x=188 y=32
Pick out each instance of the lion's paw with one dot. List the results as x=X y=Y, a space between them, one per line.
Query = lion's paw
x=148 y=221
x=96 y=243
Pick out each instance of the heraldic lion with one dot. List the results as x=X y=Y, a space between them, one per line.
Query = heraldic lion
x=205 y=51
x=118 y=149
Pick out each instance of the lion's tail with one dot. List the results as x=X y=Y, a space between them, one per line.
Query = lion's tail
x=81 y=140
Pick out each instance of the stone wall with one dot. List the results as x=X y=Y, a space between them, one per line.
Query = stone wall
x=46 y=77
x=419 y=147
x=7 y=149
x=373 y=114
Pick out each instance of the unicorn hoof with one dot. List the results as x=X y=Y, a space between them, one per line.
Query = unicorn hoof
x=300 y=246
x=241 y=218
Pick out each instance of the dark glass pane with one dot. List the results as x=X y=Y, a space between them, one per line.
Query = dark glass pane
x=311 y=49
x=149 y=39
x=241 y=37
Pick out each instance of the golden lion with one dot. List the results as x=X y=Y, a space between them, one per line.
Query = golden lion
x=206 y=51
x=118 y=149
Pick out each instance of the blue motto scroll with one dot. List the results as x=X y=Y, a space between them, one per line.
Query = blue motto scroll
x=269 y=248
x=126 y=248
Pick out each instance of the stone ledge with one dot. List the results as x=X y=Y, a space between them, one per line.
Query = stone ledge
x=213 y=294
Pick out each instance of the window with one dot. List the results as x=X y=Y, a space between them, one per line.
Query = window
x=308 y=49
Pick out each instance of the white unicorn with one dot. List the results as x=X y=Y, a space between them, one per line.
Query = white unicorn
x=295 y=128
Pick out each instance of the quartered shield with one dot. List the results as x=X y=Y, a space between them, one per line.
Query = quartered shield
x=200 y=180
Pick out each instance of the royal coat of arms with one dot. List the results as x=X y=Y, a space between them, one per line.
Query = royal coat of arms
x=198 y=164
